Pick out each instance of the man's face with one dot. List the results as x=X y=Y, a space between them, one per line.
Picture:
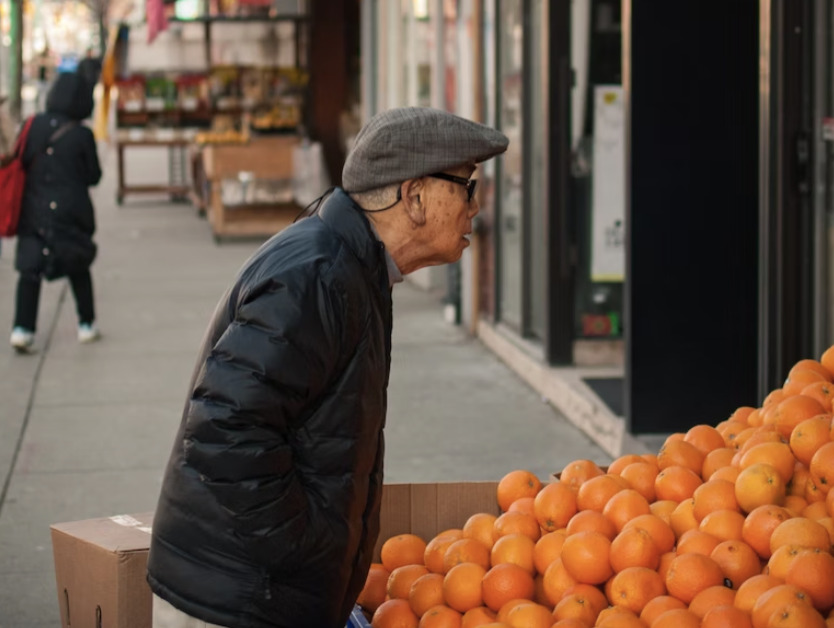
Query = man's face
x=449 y=215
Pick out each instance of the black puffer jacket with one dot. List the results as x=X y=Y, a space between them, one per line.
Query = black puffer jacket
x=56 y=200
x=269 y=510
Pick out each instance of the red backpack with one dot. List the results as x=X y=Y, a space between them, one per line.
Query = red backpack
x=12 y=182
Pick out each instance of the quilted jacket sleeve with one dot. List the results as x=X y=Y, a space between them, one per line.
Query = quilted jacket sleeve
x=263 y=377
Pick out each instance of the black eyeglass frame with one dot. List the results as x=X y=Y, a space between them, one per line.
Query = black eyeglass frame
x=469 y=184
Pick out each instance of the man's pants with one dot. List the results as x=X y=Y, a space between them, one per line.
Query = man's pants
x=166 y=616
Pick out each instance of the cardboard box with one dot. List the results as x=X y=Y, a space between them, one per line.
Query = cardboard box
x=100 y=564
x=100 y=567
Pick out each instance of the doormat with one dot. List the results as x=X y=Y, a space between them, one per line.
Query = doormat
x=610 y=390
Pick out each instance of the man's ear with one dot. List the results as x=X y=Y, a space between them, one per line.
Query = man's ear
x=413 y=191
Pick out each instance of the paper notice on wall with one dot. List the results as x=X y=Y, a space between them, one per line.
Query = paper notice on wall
x=608 y=187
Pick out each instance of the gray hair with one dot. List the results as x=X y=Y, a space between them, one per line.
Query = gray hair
x=376 y=198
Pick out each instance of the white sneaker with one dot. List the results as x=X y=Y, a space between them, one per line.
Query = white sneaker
x=22 y=339
x=88 y=333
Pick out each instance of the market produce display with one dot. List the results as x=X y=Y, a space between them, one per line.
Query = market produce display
x=727 y=525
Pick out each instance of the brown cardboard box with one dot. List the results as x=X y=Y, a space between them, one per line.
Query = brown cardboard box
x=100 y=569
x=100 y=563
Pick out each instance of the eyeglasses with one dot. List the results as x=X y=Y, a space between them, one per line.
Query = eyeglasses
x=469 y=184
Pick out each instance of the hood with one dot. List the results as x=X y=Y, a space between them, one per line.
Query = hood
x=71 y=96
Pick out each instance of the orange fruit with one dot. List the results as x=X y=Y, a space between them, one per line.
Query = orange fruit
x=796 y=615
x=466 y=551
x=726 y=617
x=815 y=511
x=738 y=561
x=682 y=518
x=659 y=605
x=641 y=477
x=679 y=453
x=757 y=485
x=677 y=618
x=516 y=523
x=618 y=464
x=799 y=379
x=773 y=397
x=595 y=493
x=778 y=563
x=634 y=547
x=677 y=483
x=634 y=587
x=729 y=473
x=501 y=615
x=480 y=527
x=705 y=438
x=711 y=597
x=402 y=549
x=436 y=549
x=530 y=615
x=394 y=614
x=462 y=586
x=774 y=599
x=799 y=482
x=440 y=616
x=691 y=573
x=663 y=509
x=619 y=617
x=425 y=593
x=800 y=531
x=522 y=504
x=506 y=582
x=809 y=435
x=554 y=506
x=741 y=413
x=776 y=454
x=557 y=581
x=811 y=365
x=576 y=606
x=822 y=467
x=514 y=548
x=375 y=589
x=478 y=616
x=516 y=484
x=585 y=556
x=822 y=392
x=625 y=506
x=714 y=495
x=752 y=589
x=659 y=530
x=591 y=520
x=697 y=542
x=813 y=572
x=547 y=549
x=791 y=411
x=714 y=460
x=795 y=504
x=575 y=473
x=723 y=524
x=731 y=429
x=401 y=579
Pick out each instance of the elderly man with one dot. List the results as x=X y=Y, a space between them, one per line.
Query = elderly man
x=269 y=510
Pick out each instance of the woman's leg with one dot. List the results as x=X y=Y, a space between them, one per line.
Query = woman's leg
x=82 y=290
x=26 y=302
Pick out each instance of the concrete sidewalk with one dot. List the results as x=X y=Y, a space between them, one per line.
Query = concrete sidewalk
x=85 y=431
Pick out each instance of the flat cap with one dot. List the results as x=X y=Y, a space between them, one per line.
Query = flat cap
x=411 y=142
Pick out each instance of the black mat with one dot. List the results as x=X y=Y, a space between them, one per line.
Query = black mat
x=610 y=390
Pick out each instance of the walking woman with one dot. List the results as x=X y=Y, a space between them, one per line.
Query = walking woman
x=57 y=221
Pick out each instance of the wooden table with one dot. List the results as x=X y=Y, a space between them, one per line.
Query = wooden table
x=268 y=157
x=176 y=189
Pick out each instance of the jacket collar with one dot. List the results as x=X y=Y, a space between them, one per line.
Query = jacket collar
x=340 y=213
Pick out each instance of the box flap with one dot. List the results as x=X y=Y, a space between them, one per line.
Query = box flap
x=119 y=533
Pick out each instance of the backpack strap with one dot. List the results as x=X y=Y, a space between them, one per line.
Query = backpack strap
x=61 y=131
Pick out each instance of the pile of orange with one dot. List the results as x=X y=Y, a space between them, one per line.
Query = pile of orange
x=729 y=525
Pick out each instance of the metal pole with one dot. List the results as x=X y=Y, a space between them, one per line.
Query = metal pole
x=16 y=59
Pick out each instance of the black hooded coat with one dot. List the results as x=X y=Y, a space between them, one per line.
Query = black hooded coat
x=57 y=221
